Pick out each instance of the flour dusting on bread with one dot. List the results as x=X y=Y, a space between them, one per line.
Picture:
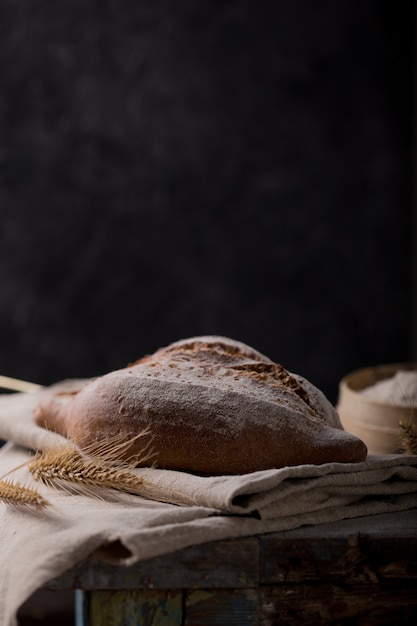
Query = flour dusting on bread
x=214 y=406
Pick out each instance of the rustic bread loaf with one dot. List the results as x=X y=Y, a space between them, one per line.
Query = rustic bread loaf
x=213 y=405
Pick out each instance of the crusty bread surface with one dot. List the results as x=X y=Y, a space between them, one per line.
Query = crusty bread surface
x=213 y=406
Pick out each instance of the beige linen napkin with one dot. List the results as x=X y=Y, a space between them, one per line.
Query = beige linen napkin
x=183 y=510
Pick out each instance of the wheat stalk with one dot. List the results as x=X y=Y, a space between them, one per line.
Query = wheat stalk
x=15 y=384
x=14 y=494
x=97 y=466
x=56 y=468
x=408 y=434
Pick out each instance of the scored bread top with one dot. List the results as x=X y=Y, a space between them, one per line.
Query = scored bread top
x=213 y=405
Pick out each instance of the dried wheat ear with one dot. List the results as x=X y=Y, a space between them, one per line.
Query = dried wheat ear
x=408 y=435
x=14 y=494
x=94 y=468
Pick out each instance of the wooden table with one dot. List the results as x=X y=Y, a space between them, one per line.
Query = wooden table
x=357 y=572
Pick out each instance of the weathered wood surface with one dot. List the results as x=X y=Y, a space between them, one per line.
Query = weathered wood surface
x=327 y=603
x=361 y=572
x=220 y=564
x=114 y=608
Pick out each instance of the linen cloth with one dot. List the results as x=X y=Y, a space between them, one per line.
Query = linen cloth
x=181 y=509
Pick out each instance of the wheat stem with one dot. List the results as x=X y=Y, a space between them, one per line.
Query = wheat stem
x=68 y=468
x=16 y=495
x=408 y=434
x=88 y=470
x=15 y=384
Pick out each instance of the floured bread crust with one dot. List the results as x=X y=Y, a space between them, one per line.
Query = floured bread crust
x=213 y=405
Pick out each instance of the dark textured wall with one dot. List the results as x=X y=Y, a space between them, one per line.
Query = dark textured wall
x=177 y=168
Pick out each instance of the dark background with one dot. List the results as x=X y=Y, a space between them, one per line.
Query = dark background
x=178 y=168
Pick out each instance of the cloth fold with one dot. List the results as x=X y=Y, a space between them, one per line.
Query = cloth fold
x=289 y=491
x=176 y=510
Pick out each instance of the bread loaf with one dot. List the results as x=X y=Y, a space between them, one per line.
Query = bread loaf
x=213 y=405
